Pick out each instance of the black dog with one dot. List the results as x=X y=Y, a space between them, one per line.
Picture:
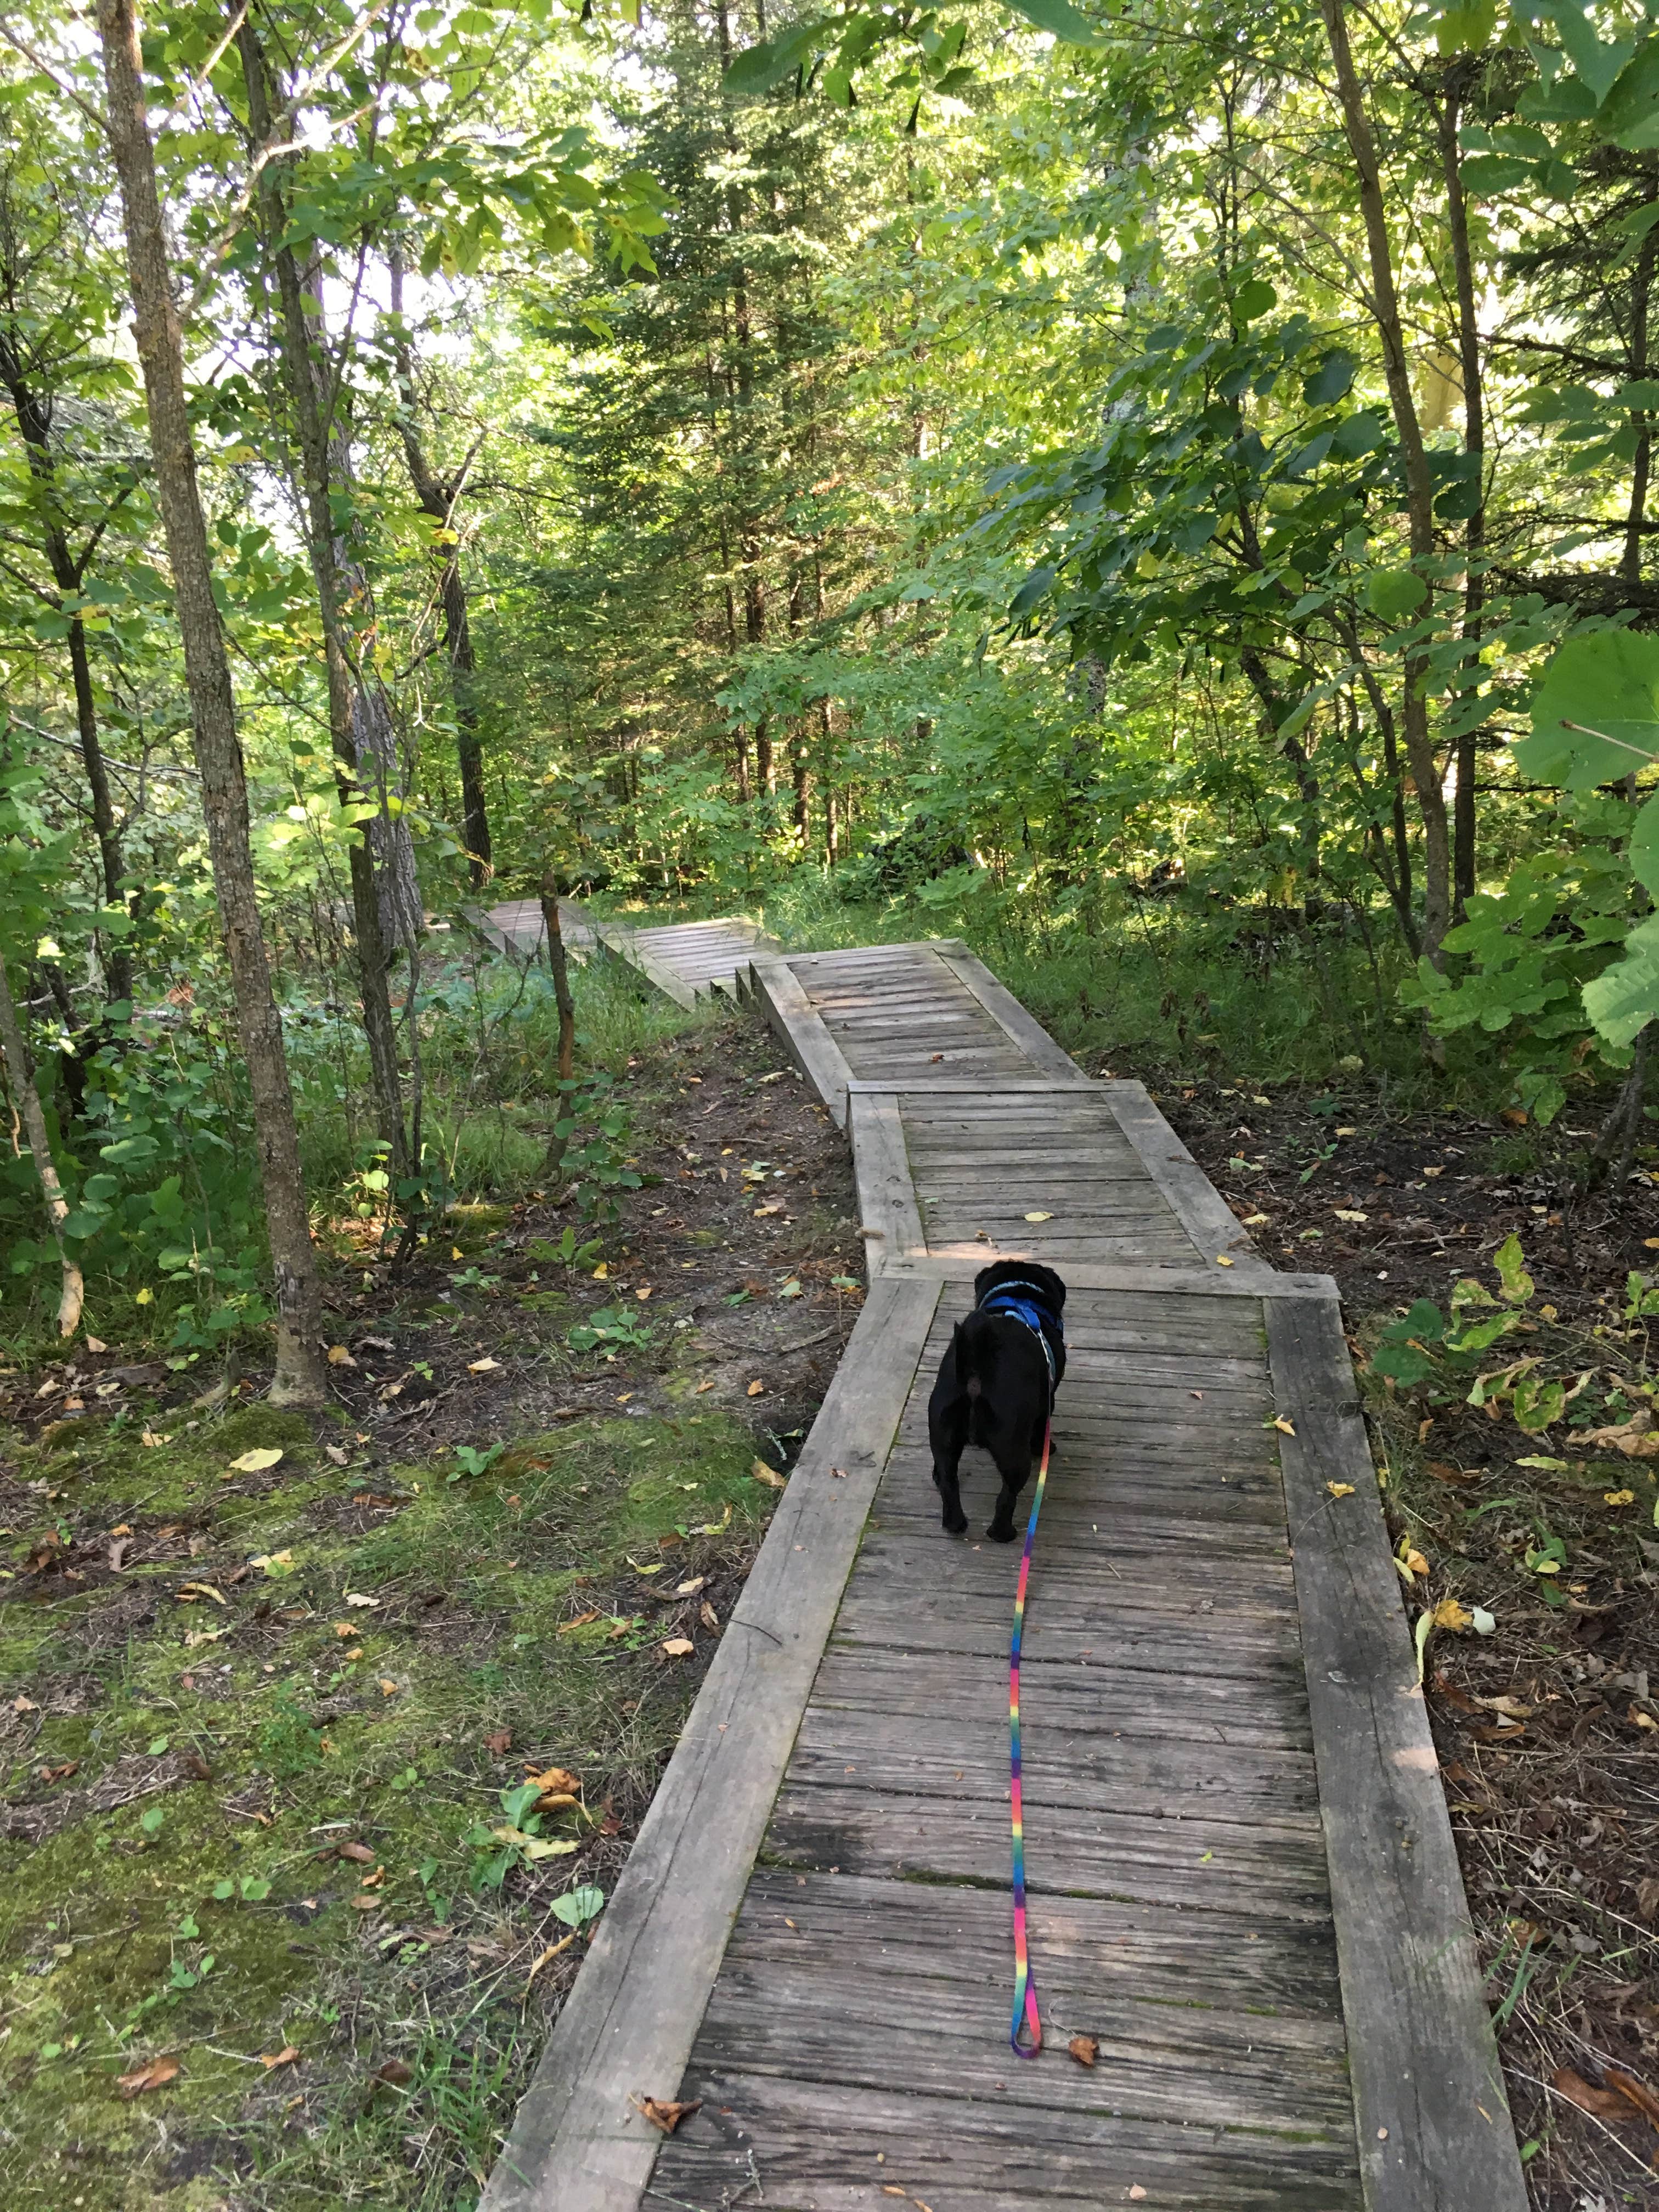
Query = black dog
x=996 y=1385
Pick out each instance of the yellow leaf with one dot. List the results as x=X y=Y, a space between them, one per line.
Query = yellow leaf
x=601 y=1273
x=455 y=1252
x=1222 y=1259
x=144 y=1299
x=1284 y=1427
x=481 y=1366
x=533 y=1847
x=644 y=1292
x=272 y=2059
x=1340 y=1489
x=768 y=1475
x=339 y=1357
x=1450 y=1614
x=255 y=1463
x=1417 y=1563
x=275 y=1564
x=1617 y=1498
x=1345 y=1213
x=680 y=1647
x=201 y=1589
x=755 y=1389
x=1039 y=1217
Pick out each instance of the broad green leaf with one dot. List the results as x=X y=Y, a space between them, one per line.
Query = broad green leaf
x=1642 y=852
x=1394 y=594
x=1332 y=380
x=1465 y=28
x=758 y=67
x=1060 y=19
x=1255 y=300
x=1513 y=1279
x=1625 y=997
x=1595 y=715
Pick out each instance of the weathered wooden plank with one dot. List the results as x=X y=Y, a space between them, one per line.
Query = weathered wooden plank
x=1195 y=1278
x=1098 y=1699
x=1098 y=1946
x=803 y=1035
x=1434 y=2130
x=1209 y=1220
x=1004 y=1008
x=841 y=2024
x=825 y=2148
x=886 y=1201
x=628 y=2024
x=1276 y=1873
x=967 y=1761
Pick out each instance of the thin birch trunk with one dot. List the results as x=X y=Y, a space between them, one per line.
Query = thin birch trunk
x=20 y=1072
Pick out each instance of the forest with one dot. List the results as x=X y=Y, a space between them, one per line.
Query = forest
x=1159 y=491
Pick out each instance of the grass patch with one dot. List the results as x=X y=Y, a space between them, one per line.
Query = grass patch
x=204 y=1717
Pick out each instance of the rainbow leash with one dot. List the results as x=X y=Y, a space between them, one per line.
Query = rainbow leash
x=1025 y=2005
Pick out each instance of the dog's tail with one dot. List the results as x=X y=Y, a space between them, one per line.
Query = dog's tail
x=976 y=1354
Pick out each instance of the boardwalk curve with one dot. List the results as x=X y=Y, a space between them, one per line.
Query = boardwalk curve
x=1242 y=1883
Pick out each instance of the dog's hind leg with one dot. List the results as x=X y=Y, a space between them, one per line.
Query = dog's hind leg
x=947 y=1433
x=1014 y=1479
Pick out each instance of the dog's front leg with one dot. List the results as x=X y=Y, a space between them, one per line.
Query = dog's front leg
x=947 y=1433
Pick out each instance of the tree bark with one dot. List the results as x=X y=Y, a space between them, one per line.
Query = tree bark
x=14 y=1054
x=34 y=427
x=1474 y=444
x=1419 y=490
x=355 y=717
x=438 y=498
x=299 y=1377
x=562 y=998
x=1630 y=567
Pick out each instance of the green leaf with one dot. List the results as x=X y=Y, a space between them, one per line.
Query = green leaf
x=1060 y=19
x=1513 y=1279
x=1465 y=28
x=1394 y=594
x=1623 y=998
x=1332 y=380
x=1357 y=434
x=1595 y=715
x=1496 y=172
x=758 y=67
x=1036 y=586
x=577 y=1906
x=1255 y=300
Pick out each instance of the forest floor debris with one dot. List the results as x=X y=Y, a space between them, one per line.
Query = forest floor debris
x=325 y=1737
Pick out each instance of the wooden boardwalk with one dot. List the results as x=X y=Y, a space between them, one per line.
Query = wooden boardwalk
x=685 y=960
x=1242 y=1884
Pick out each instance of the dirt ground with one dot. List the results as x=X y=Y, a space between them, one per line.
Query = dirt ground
x=1548 y=1728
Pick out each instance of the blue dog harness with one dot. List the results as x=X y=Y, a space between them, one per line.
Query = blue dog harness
x=1025 y=1302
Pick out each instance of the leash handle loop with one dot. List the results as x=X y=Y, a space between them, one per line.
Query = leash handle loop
x=1027 y=2018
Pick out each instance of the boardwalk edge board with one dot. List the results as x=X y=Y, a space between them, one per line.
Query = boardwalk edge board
x=629 y=2025
x=1433 y=2121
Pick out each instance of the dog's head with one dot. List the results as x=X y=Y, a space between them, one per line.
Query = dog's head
x=1042 y=1279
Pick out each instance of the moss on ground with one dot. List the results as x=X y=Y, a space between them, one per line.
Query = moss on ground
x=282 y=1663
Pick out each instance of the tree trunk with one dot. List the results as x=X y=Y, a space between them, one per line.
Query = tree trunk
x=1419 y=491
x=802 y=773
x=438 y=498
x=1474 y=444
x=358 y=729
x=34 y=427
x=1630 y=567
x=299 y=1377
x=562 y=998
x=14 y=1054
x=1615 y=1147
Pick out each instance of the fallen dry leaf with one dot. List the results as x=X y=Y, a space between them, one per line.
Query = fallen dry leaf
x=1599 y=2103
x=357 y=1597
x=188 y=1592
x=96 y=1344
x=662 y=2113
x=1284 y=1428
x=1222 y=1260
x=689 y=1588
x=554 y=1781
x=339 y=1357
x=155 y=2075
x=286 y=2056
x=482 y=1366
x=1340 y=1489
x=706 y=1614
x=1137 y=2194
x=755 y=1389
x=338 y=1453
x=1617 y=1498
x=397 y=2072
x=1346 y=1213
x=1638 y=2092
x=359 y=1852
x=551 y=1954
x=1636 y=1438
x=1039 y=1217
x=1450 y=1614
x=1084 y=2049
x=768 y=1475
x=364 y=1903
x=255 y=1463
x=497 y=1742
x=580 y=1621
x=680 y=1647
